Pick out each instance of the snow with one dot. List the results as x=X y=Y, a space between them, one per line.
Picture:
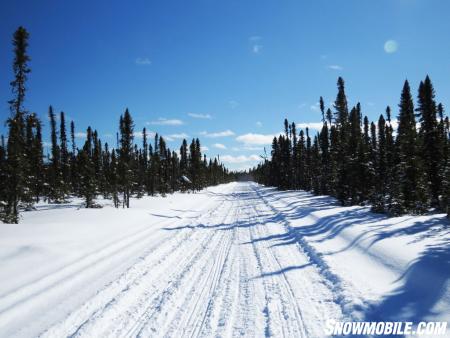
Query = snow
x=232 y=260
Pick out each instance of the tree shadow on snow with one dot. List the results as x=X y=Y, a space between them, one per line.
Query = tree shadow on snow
x=424 y=284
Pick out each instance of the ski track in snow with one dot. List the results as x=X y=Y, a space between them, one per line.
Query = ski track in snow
x=222 y=273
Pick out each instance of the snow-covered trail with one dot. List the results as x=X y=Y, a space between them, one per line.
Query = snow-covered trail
x=234 y=260
x=215 y=275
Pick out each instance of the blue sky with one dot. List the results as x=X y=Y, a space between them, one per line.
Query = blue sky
x=228 y=72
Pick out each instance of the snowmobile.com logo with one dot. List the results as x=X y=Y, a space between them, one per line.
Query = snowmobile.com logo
x=336 y=328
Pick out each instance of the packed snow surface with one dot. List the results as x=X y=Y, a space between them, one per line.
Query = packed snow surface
x=233 y=260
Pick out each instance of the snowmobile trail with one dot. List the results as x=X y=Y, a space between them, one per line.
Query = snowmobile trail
x=229 y=262
x=214 y=276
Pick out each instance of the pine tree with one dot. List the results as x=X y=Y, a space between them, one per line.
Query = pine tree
x=3 y=178
x=87 y=172
x=16 y=161
x=379 y=198
x=125 y=159
x=343 y=158
x=35 y=167
x=410 y=190
x=352 y=150
x=113 y=179
x=430 y=147
x=65 y=157
x=55 y=179
x=326 y=178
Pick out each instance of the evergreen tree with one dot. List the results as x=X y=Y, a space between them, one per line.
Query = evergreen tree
x=16 y=162
x=65 y=157
x=125 y=159
x=342 y=129
x=430 y=147
x=410 y=191
x=87 y=172
x=379 y=198
x=55 y=179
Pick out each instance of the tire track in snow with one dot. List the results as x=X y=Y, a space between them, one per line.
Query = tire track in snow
x=106 y=297
x=281 y=306
x=333 y=282
x=194 y=296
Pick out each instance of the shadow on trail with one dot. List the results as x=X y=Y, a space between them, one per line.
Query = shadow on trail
x=307 y=221
x=424 y=284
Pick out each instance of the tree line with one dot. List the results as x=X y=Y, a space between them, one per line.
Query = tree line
x=93 y=169
x=397 y=166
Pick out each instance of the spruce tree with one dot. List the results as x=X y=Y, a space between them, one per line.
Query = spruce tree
x=410 y=189
x=343 y=156
x=16 y=162
x=430 y=147
x=125 y=159
x=65 y=157
x=87 y=172
x=55 y=180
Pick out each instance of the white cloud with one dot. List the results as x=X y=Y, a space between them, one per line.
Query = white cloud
x=259 y=124
x=138 y=134
x=204 y=148
x=143 y=61
x=257 y=48
x=219 y=146
x=255 y=139
x=224 y=133
x=178 y=136
x=239 y=159
x=311 y=125
x=252 y=148
x=255 y=43
x=200 y=116
x=167 y=122
x=390 y=46
x=335 y=67
x=80 y=134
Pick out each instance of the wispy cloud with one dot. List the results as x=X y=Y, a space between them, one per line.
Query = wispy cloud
x=256 y=139
x=311 y=125
x=143 y=61
x=204 y=148
x=200 y=116
x=239 y=159
x=224 y=133
x=219 y=146
x=255 y=43
x=252 y=148
x=179 y=136
x=166 y=122
x=335 y=67
x=80 y=134
x=257 y=48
